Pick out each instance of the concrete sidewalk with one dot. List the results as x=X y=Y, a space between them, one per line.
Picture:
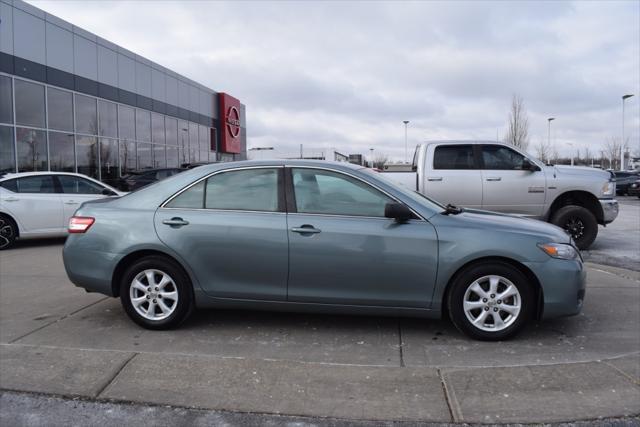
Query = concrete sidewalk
x=56 y=340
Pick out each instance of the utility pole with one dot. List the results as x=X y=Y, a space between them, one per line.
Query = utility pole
x=624 y=98
x=406 y=122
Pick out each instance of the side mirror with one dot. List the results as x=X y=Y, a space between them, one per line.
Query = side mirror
x=107 y=192
x=527 y=165
x=397 y=211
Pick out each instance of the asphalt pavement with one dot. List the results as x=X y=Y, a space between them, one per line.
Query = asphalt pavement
x=68 y=357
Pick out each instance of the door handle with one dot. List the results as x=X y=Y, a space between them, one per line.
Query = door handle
x=494 y=178
x=306 y=229
x=175 y=222
x=71 y=202
x=11 y=199
x=434 y=178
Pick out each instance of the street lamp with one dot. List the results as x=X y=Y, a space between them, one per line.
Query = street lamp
x=371 y=149
x=549 y=120
x=624 y=98
x=406 y=122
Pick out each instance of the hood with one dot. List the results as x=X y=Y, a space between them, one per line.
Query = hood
x=512 y=224
x=584 y=171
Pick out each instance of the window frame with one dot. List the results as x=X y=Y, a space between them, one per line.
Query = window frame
x=485 y=168
x=281 y=196
x=291 y=198
x=90 y=182
x=476 y=151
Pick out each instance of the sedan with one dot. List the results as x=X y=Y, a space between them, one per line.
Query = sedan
x=39 y=204
x=316 y=236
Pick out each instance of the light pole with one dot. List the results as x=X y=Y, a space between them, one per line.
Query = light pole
x=570 y=144
x=406 y=122
x=371 y=149
x=624 y=98
x=549 y=120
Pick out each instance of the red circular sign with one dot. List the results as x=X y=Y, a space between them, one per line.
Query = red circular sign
x=233 y=121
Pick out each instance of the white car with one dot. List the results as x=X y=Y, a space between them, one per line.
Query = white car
x=39 y=204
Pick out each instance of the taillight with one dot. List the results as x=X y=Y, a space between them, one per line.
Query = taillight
x=80 y=224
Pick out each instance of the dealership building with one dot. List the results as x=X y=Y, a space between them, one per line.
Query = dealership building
x=72 y=101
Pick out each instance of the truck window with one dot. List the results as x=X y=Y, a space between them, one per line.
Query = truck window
x=498 y=157
x=453 y=157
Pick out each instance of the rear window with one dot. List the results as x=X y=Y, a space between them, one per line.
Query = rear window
x=454 y=157
x=10 y=184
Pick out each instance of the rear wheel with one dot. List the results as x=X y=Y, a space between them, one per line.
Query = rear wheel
x=156 y=293
x=8 y=232
x=491 y=301
x=579 y=222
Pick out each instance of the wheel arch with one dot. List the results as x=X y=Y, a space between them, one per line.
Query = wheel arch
x=129 y=259
x=578 y=198
x=12 y=219
x=499 y=259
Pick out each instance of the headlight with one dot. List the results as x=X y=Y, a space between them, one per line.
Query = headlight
x=608 y=188
x=559 y=250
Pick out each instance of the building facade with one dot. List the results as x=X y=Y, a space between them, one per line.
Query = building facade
x=72 y=101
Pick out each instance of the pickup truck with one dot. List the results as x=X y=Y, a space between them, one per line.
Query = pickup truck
x=497 y=177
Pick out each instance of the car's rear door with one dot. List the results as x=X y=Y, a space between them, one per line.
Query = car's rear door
x=75 y=191
x=231 y=229
x=36 y=205
x=344 y=251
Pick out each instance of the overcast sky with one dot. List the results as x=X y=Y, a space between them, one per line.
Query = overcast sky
x=345 y=75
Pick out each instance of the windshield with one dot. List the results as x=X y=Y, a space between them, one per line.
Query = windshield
x=414 y=195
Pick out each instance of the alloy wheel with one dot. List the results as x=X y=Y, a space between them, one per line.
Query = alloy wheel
x=6 y=233
x=492 y=303
x=153 y=294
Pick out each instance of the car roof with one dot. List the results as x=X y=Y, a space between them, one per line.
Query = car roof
x=277 y=162
x=12 y=175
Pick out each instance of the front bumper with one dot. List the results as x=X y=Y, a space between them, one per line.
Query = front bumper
x=609 y=210
x=563 y=286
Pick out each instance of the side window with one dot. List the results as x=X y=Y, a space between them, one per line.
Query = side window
x=453 y=157
x=77 y=185
x=248 y=190
x=10 y=184
x=498 y=157
x=325 y=192
x=193 y=198
x=36 y=184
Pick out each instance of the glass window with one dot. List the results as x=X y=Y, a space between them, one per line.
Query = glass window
x=183 y=135
x=10 y=184
x=159 y=156
x=157 y=128
x=171 y=126
x=61 y=152
x=109 y=160
x=86 y=115
x=87 y=155
x=325 y=192
x=32 y=150
x=250 y=189
x=126 y=123
x=77 y=185
x=204 y=138
x=145 y=156
x=6 y=100
x=29 y=103
x=36 y=184
x=127 y=157
x=454 y=157
x=501 y=158
x=172 y=157
x=204 y=156
x=60 y=109
x=193 y=198
x=108 y=115
x=143 y=125
x=193 y=137
x=7 y=154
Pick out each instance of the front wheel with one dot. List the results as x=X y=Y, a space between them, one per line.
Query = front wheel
x=491 y=302
x=8 y=232
x=579 y=223
x=156 y=293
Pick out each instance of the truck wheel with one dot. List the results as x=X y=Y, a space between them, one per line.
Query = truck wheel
x=579 y=222
x=8 y=232
x=491 y=301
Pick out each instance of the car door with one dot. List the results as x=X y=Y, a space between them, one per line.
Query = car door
x=342 y=250
x=231 y=229
x=75 y=191
x=507 y=185
x=454 y=176
x=36 y=205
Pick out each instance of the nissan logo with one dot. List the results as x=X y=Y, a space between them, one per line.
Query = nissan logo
x=233 y=121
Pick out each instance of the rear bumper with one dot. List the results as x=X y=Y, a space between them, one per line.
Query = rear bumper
x=609 y=210
x=563 y=286
x=88 y=269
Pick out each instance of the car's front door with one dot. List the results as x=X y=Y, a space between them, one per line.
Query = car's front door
x=37 y=205
x=342 y=250
x=507 y=185
x=75 y=191
x=231 y=229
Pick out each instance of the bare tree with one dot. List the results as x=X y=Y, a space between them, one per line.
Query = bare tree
x=543 y=150
x=380 y=160
x=518 y=127
x=612 y=151
x=587 y=155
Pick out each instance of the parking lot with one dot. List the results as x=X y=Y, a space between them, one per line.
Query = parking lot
x=55 y=339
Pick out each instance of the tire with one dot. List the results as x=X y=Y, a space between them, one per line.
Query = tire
x=475 y=287
x=579 y=222
x=8 y=232
x=172 y=299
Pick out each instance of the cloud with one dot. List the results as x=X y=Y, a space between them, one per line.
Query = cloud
x=345 y=74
